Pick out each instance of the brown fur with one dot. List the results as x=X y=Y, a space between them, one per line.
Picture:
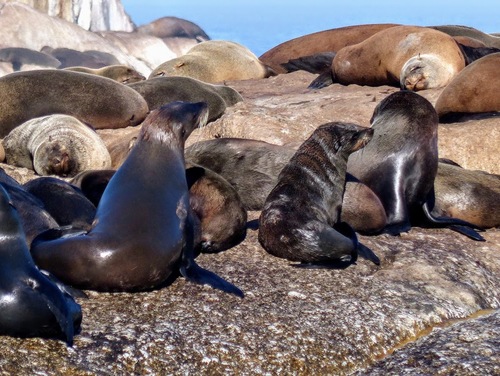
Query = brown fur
x=119 y=73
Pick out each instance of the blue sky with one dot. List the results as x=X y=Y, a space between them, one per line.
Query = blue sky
x=262 y=24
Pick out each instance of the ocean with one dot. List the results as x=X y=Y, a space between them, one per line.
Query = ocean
x=261 y=25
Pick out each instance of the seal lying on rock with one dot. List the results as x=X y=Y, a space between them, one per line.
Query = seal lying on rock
x=300 y=219
x=120 y=73
x=56 y=145
x=31 y=305
x=98 y=101
x=143 y=229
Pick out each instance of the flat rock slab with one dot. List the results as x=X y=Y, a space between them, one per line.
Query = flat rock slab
x=291 y=321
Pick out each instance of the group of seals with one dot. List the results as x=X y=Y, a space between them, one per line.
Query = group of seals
x=143 y=231
x=30 y=303
x=56 y=145
x=300 y=220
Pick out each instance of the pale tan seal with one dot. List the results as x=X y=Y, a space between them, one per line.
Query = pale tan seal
x=98 y=101
x=215 y=61
x=120 y=73
x=474 y=90
x=56 y=145
x=412 y=57
x=322 y=41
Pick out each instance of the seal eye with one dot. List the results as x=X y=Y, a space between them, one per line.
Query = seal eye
x=160 y=74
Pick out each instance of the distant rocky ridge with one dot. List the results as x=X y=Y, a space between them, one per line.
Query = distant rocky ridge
x=93 y=15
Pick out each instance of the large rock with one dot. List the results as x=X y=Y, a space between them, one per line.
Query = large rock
x=93 y=15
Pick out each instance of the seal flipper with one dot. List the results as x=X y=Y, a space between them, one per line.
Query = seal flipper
x=190 y=270
x=323 y=80
x=317 y=63
x=455 y=224
x=368 y=254
x=70 y=290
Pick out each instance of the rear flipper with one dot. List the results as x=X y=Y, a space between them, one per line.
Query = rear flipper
x=454 y=224
x=323 y=80
x=317 y=63
x=368 y=254
x=194 y=273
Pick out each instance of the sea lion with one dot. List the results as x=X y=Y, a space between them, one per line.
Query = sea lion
x=473 y=90
x=143 y=229
x=95 y=100
x=171 y=27
x=73 y=58
x=331 y=40
x=470 y=195
x=300 y=220
x=215 y=61
x=253 y=166
x=119 y=73
x=30 y=304
x=56 y=145
x=411 y=57
x=20 y=56
x=161 y=90
x=467 y=31
x=400 y=162
x=220 y=211
x=65 y=203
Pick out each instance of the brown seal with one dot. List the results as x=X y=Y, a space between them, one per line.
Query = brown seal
x=300 y=220
x=95 y=100
x=473 y=90
x=174 y=27
x=161 y=90
x=411 y=57
x=400 y=163
x=31 y=304
x=143 y=230
x=253 y=166
x=74 y=58
x=466 y=31
x=56 y=145
x=471 y=195
x=120 y=73
x=20 y=56
x=323 y=41
x=215 y=61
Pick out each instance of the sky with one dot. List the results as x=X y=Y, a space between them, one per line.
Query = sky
x=263 y=24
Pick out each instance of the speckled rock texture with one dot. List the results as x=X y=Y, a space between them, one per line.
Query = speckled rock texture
x=291 y=320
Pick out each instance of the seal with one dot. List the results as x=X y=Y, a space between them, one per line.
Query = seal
x=35 y=219
x=20 y=56
x=470 y=195
x=65 y=203
x=473 y=90
x=252 y=168
x=220 y=212
x=94 y=100
x=161 y=90
x=400 y=163
x=73 y=58
x=56 y=145
x=412 y=57
x=331 y=40
x=31 y=304
x=143 y=230
x=174 y=27
x=314 y=178
x=466 y=31
x=120 y=73
x=215 y=61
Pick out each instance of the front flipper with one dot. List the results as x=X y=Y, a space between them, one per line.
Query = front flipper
x=455 y=224
x=190 y=270
x=368 y=254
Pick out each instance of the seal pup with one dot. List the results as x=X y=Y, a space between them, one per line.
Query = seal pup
x=474 y=90
x=119 y=73
x=143 y=229
x=31 y=305
x=65 y=203
x=400 y=163
x=98 y=101
x=414 y=57
x=56 y=145
x=161 y=90
x=300 y=219
x=253 y=166
x=215 y=61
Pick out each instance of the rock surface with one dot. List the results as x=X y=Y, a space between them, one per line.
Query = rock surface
x=292 y=320
x=93 y=15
